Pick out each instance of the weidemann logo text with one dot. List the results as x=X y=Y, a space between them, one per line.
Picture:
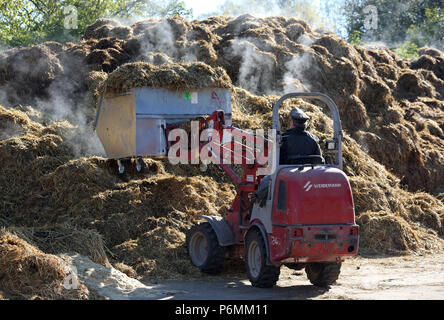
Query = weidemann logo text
x=309 y=185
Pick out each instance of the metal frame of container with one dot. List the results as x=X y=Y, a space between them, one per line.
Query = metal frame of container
x=132 y=124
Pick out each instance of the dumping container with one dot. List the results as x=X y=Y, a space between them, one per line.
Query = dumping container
x=133 y=124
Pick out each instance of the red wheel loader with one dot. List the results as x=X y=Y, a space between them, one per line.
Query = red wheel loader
x=306 y=221
x=307 y=218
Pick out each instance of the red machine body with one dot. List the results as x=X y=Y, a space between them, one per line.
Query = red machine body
x=314 y=195
x=313 y=216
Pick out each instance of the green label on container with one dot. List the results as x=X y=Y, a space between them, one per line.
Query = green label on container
x=187 y=96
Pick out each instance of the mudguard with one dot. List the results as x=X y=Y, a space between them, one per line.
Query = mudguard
x=264 y=235
x=223 y=231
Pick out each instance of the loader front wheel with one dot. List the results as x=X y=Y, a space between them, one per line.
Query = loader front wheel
x=204 y=249
x=260 y=273
x=323 y=274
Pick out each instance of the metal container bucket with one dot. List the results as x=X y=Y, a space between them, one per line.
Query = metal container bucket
x=133 y=124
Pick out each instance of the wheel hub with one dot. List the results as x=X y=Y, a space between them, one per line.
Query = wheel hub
x=198 y=248
x=254 y=259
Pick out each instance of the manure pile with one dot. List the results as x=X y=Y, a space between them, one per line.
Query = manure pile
x=28 y=272
x=391 y=109
x=174 y=76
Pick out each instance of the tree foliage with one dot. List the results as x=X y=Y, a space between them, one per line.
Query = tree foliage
x=406 y=23
x=303 y=9
x=430 y=31
x=24 y=22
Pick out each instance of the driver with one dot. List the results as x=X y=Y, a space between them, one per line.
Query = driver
x=297 y=141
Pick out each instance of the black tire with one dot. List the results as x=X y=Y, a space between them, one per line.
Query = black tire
x=323 y=274
x=204 y=249
x=259 y=272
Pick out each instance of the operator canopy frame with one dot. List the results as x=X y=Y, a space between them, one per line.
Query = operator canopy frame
x=334 y=146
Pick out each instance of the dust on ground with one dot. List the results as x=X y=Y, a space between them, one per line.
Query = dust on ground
x=411 y=277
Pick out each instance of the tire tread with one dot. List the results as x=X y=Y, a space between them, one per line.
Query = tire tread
x=216 y=254
x=269 y=274
x=328 y=273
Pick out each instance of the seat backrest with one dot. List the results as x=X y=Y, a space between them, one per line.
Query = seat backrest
x=305 y=159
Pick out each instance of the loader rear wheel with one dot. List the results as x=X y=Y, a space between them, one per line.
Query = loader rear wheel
x=204 y=249
x=323 y=274
x=259 y=272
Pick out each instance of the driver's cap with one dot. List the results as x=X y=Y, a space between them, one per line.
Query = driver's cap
x=299 y=115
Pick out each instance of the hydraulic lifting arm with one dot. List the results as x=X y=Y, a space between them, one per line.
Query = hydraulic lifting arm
x=225 y=144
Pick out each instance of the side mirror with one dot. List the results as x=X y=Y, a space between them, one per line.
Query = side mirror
x=331 y=145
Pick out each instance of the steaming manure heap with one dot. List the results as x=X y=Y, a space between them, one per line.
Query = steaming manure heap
x=175 y=76
x=55 y=201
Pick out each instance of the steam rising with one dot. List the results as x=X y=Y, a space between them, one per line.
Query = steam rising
x=158 y=39
x=256 y=71
x=65 y=99
x=82 y=140
x=54 y=92
x=294 y=78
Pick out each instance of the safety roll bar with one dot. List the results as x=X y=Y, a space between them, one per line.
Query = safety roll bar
x=337 y=128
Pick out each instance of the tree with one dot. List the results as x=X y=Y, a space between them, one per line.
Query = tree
x=429 y=32
x=332 y=16
x=236 y=8
x=396 y=21
x=303 y=9
x=24 y=22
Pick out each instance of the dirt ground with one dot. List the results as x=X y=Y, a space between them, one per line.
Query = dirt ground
x=393 y=278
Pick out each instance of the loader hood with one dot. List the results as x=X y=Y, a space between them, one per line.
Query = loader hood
x=319 y=195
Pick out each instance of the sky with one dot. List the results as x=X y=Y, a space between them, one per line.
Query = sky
x=203 y=6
